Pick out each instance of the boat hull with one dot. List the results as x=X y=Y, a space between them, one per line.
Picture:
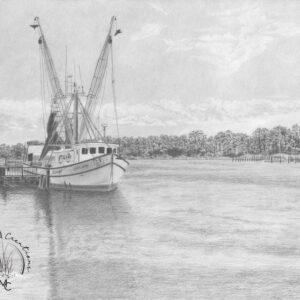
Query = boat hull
x=101 y=173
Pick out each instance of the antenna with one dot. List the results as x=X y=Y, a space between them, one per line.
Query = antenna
x=104 y=126
x=74 y=72
x=69 y=81
x=80 y=79
x=66 y=73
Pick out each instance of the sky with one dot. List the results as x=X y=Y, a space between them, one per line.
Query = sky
x=179 y=65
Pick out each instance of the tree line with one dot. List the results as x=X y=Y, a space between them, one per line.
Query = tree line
x=226 y=143
x=197 y=144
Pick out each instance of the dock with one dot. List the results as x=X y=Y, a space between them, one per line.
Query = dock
x=15 y=172
x=275 y=158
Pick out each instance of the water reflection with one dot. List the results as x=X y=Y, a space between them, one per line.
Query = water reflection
x=88 y=237
x=174 y=230
x=3 y=192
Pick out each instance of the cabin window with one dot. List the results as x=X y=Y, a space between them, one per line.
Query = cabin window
x=30 y=157
x=101 y=150
x=84 y=151
x=114 y=150
x=92 y=150
x=109 y=150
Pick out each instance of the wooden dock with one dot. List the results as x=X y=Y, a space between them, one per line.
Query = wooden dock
x=268 y=158
x=13 y=174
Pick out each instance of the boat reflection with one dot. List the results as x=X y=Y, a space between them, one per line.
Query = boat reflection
x=89 y=243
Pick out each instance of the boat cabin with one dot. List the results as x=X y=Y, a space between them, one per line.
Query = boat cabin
x=82 y=152
x=75 y=154
x=33 y=151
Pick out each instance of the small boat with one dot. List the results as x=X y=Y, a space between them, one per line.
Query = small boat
x=75 y=154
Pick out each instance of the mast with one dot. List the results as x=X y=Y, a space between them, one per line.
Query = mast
x=66 y=73
x=75 y=118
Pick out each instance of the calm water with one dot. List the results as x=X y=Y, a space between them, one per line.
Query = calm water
x=173 y=230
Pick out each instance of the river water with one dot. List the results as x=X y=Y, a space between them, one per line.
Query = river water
x=174 y=229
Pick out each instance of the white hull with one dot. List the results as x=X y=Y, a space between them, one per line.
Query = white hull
x=101 y=173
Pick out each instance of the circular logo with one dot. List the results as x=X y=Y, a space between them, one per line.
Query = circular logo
x=11 y=259
x=14 y=258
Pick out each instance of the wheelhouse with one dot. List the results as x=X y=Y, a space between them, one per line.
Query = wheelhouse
x=82 y=152
x=98 y=150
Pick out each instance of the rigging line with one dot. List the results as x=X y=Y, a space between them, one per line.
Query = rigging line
x=97 y=85
x=42 y=63
x=114 y=92
x=42 y=93
x=65 y=120
x=92 y=125
x=45 y=82
x=50 y=78
x=51 y=70
x=49 y=64
x=54 y=80
x=86 y=122
x=103 y=91
x=62 y=119
x=97 y=80
x=99 y=69
x=46 y=86
x=41 y=80
x=61 y=128
x=48 y=90
x=84 y=119
x=89 y=129
x=92 y=99
x=97 y=77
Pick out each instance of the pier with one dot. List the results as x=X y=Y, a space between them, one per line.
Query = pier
x=276 y=158
x=15 y=172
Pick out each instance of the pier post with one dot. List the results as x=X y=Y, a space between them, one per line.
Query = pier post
x=48 y=178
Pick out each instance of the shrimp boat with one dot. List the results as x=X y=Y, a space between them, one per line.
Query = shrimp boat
x=75 y=154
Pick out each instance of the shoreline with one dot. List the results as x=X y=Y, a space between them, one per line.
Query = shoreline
x=181 y=158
